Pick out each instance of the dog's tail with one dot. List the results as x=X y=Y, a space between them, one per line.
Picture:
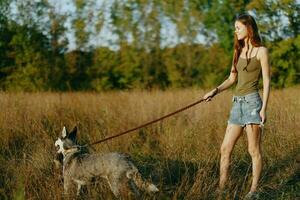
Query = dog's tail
x=140 y=182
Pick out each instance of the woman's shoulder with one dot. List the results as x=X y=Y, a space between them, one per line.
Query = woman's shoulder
x=262 y=52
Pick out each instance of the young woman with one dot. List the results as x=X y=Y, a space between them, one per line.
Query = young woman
x=250 y=60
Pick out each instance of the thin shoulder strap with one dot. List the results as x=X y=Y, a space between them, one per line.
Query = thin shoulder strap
x=257 y=52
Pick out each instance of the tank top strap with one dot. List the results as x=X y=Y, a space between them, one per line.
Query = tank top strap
x=257 y=52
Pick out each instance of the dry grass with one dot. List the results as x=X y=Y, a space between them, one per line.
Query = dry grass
x=179 y=154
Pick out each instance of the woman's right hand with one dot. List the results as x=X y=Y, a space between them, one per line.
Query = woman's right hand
x=208 y=96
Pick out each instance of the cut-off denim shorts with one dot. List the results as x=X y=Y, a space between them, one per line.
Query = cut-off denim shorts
x=245 y=109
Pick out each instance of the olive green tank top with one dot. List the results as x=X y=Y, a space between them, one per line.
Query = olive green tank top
x=248 y=78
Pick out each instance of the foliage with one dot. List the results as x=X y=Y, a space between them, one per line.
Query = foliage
x=285 y=62
x=147 y=44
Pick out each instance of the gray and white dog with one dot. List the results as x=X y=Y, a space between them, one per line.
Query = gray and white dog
x=82 y=168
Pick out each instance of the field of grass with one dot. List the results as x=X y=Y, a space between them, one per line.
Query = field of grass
x=180 y=154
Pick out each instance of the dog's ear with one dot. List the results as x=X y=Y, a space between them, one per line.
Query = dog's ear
x=72 y=134
x=64 y=132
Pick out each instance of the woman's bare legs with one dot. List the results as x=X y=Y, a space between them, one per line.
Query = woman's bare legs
x=233 y=132
x=254 y=148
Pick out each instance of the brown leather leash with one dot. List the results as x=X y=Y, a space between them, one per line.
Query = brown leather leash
x=146 y=124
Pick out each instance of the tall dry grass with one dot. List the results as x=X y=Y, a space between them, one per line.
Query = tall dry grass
x=179 y=154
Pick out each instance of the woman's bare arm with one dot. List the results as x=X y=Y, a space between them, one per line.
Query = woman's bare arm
x=228 y=82
x=225 y=85
x=264 y=61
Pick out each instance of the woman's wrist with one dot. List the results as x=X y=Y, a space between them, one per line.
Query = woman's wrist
x=216 y=91
x=263 y=108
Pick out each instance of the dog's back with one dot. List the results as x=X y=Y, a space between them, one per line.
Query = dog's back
x=86 y=166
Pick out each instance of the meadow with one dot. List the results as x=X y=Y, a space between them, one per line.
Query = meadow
x=179 y=154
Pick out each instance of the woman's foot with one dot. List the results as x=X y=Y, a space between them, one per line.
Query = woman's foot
x=251 y=196
x=221 y=194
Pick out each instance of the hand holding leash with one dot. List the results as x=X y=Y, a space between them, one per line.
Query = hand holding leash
x=208 y=96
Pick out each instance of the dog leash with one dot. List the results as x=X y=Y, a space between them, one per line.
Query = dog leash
x=146 y=124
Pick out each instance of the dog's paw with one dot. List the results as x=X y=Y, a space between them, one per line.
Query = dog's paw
x=152 y=188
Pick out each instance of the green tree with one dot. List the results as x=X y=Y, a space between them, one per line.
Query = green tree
x=57 y=30
x=219 y=20
x=278 y=19
x=103 y=76
x=285 y=62
x=75 y=75
x=27 y=46
x=6 y=61
x=30 y=68
x=80 y=23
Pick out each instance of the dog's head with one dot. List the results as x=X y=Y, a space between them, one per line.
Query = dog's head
x=66 y=141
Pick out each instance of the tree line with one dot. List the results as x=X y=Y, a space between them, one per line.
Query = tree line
x=35 y=53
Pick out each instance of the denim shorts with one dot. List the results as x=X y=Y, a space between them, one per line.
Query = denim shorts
x=245 y=109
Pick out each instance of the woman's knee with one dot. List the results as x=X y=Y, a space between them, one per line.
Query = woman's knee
x=225 y=150
x=254 y=151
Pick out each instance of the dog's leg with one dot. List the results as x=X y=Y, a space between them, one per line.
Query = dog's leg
x=78 y=189
x=67 y=184
x=140 y=182
x=134 y=188
x=114 y=186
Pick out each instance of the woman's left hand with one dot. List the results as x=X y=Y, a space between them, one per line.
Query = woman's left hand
x=262 y=114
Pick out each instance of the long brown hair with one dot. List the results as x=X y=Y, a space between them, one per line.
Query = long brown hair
x=252 y=36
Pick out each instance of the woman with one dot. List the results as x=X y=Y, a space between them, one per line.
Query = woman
x=250 y=60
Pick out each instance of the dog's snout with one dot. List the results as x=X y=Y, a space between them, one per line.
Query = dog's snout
x=58 y=145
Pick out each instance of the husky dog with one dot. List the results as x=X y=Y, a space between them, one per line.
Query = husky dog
x=82 y=168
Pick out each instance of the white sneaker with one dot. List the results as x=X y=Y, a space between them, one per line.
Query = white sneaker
x=251 y=196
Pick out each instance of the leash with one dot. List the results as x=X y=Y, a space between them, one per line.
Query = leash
x=146 y=124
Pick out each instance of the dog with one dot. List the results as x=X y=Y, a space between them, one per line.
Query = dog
x=81 y=168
